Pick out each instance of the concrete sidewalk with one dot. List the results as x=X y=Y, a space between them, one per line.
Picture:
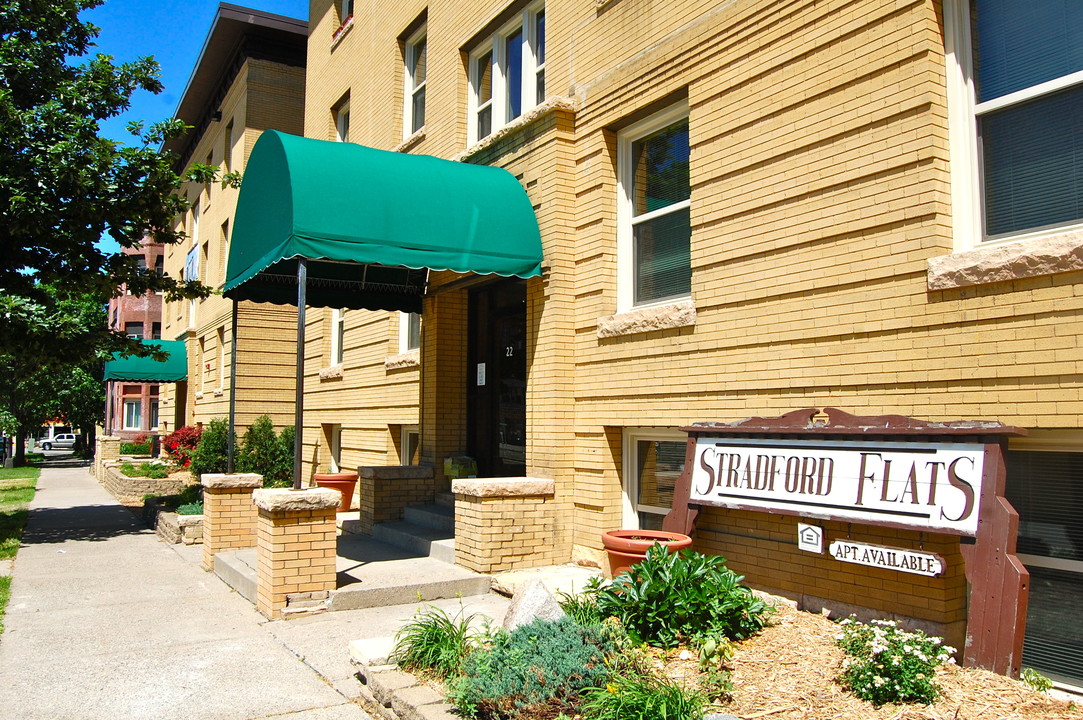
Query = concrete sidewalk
x=107 y=622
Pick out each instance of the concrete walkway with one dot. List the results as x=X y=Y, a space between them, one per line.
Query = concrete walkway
x=107 y=622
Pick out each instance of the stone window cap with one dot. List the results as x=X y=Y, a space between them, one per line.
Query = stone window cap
x=502 y=487
x=408 y=359
x=657 y=317
x=330 y=373
x=231 y=480
x=1012 y=261
x=289 y=500
x=409 y=142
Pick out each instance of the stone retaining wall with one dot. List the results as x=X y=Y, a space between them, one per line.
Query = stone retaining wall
x=131 y=490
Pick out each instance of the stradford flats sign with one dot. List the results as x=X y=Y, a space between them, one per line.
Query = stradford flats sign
x=928 y=486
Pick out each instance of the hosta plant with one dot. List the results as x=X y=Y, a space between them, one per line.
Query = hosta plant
x=885 y=663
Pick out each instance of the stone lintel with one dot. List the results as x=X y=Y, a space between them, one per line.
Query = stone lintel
x=395 y=472
x=660 y=317
x=1010 y=261
x=502 y=487
x=289 y=500
x=231 y=480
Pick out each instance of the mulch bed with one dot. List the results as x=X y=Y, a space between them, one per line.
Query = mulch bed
x=788 y=672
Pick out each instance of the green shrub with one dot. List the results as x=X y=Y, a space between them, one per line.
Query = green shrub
x=180 y=443
x=190 y=509
x=643 y=697
x=581 y=608
x=211 y=454
x=131 y=448
x=153 y=469
x=1035 y=680
x=673 y=596
x=261 y=451
x=542 y=664
x=887 y=664
x=435 y=642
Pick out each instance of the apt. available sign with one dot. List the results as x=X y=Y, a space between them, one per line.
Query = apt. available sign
x=927 y=486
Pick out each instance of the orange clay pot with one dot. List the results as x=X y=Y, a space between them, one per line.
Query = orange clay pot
x=344 y=482
x=627 y=547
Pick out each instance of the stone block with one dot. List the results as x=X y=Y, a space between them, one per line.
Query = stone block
x=387 y=683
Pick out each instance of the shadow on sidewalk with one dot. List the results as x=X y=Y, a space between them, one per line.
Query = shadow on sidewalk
x=88 y=522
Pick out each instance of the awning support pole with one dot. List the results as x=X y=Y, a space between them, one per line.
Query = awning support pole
x=109 y=408
x=232 y=390
x=299 y=392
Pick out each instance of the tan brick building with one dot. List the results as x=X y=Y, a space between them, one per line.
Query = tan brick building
x=249 y=77
x=745 y=209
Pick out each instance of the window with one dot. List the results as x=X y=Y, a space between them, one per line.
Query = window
x=1017 y=118
x=409 y=331
x=223 y=250
x=221 y=357
x=342 y=122
x=416 y=52
x=410 y=445
x=159 y=266
x=134 y=330
x=195 y=222
x=338 y=335
x=133 y=415
x=155 y=331
x=153 y=414
x=653 y=460
x=507 y=74
x=345 y=10
x=227 y=149
x=654 y=210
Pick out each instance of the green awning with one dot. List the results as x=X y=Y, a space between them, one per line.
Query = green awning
x=371 y=224
x=146 y=369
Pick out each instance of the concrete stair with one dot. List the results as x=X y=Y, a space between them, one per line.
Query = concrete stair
x=403 y=562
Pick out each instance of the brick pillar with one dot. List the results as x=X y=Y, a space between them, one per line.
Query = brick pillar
x=107 y=451
x=229 y=516
x=505 y=524
x=296 y=539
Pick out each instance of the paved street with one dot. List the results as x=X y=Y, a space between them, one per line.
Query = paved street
x=105 y=621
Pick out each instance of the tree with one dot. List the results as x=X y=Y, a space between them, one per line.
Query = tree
x=62 y=186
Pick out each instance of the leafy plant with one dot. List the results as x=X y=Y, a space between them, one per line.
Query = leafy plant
x=885 y=663
x=153 y=469
x=582 y=608
x=211 y=455
x=673 y=596
x=181 y=442
x=543 y=664
x=190 y=509
x=261 y=451
x=132 y=448
x=643 y=697
x=1035 y=680
x=435 y=642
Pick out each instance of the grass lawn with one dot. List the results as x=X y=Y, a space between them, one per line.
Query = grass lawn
x=16 y=492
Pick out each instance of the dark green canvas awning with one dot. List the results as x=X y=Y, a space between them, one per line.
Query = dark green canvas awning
x=146 y=369
x=371 y=223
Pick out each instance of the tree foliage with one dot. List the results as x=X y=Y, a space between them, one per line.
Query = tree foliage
x=62 y=186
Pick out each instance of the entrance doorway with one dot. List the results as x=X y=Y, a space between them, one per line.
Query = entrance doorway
x=496 y=379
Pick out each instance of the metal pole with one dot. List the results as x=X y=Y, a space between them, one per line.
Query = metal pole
x=232 y=390
x=109 y=408
x=299 y=392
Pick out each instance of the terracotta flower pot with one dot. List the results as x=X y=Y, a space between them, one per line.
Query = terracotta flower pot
x=627 y=547
x=344 y=482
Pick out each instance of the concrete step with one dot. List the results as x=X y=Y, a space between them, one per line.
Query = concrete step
x=417 y=539
x=446 y=499
x=437 y=517
x=238 y=570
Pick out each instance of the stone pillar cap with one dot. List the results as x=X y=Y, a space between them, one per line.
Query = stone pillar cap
x=288 y=499
x=231 y=480
x=502 y=487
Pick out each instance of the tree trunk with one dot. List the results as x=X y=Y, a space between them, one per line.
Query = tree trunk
x=20 y=449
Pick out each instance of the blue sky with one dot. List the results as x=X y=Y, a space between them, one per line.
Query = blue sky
x=173 y=32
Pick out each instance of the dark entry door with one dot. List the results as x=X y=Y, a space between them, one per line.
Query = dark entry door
x=496 y=379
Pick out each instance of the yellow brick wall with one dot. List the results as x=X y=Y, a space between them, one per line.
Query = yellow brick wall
x=494 y=534
x=263 y=95
x=229 y=521
x=295 y=554
x=819 y=168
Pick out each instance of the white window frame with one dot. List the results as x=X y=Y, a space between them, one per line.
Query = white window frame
x=155 y=414
x=138 y=405
x=404 y=332
x=497 y=43
x=404 y=442
x=968 y=208
x=630 y=471
x=342 y=122
x=626 y=217
x=338 y=335
x=410 y=89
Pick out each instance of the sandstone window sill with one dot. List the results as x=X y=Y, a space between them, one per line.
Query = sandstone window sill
x=549 y=106
x=659 y=317
x=410 y=141
x=331 y=373
x=410 y=359
x=1003 y=263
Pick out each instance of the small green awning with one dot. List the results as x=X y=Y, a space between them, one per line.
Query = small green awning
x=146 y=369
x=371 y=223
